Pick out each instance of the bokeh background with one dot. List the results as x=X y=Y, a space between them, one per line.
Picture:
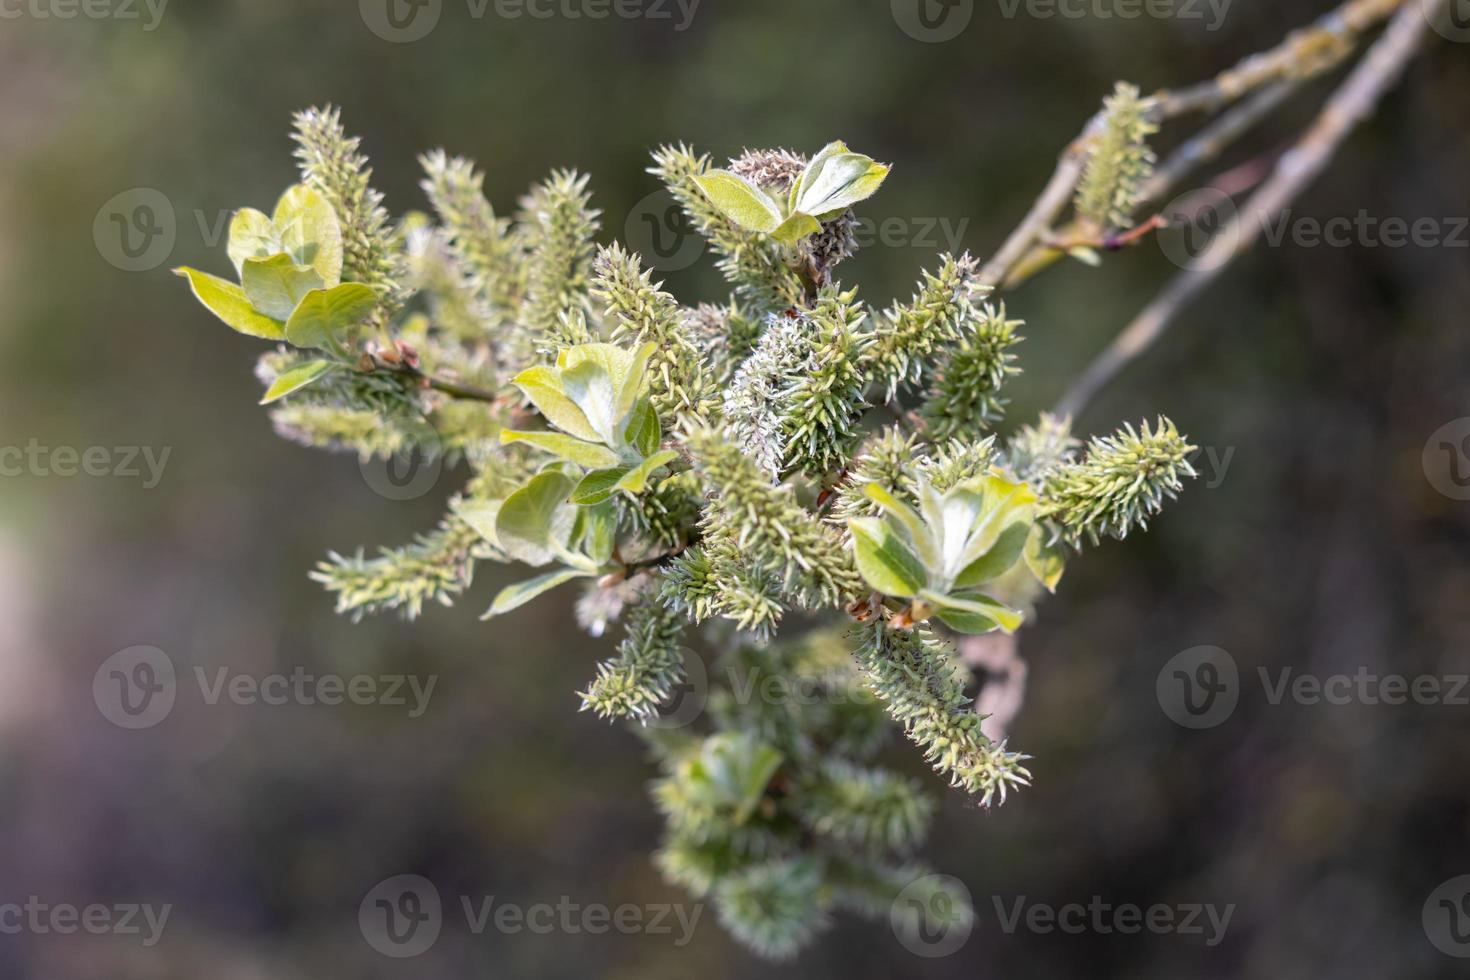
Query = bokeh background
x=1317 y=539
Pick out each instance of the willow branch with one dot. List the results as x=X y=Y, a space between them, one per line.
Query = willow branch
x=1294 y=172
x=1304 y=54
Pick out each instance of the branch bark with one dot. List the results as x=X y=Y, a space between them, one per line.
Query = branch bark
x=1353 y=102
x=1304 y=54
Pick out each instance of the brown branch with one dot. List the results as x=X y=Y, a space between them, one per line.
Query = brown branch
x=1304 y=54
x=1348 y=106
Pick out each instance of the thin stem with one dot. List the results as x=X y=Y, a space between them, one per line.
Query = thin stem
x=1353 y=102
x=1304 y=54
x=453 y=389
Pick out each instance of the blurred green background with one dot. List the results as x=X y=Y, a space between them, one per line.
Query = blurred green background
x=1316 y=538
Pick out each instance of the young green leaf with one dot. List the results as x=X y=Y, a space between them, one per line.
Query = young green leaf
x=596 y=533
x=795 y=228
x=542 y=387
x=884 y=560
x=591 y=387
x=969 y=623
x=296 y=379
x=812 y=169
x=325 y=314
x=514 y=596
x=535 y=522
x=998 y=560
x=598 y=486
x=1001 y=504
x=276 y=285
x=920 y=534
x=643 y=432
x=308 y=230
x=976 y=604
x=252 y=236
x=228 y=302
x=1046 y=558
x=838 y=181
x=740 y=200
x=635 y=481
x=480 y=515
x=588 y=455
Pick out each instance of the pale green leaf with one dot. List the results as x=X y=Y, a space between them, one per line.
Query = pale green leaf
x=976 y=604
x=1002 y=504
x=588 y=455
x=252 y=236
x=296 y=379
x=840 y=181
x=884 y=560
x=308 y=230
x=920 y=535
x=1047 y=559
x=813 y=168
x=325 y=314
x=643 y=432
x=228 y=302
x=597 y=486
x=635 y=481
x=480 y=515
x=800 y=225
x=998 y=560
x=542 y=387
x=514 y=596
x=973 y=624
x=630 y=385
x=740 y=200
x=591 y=387
x=596 y=533
x=534 y=522
x=276 y=285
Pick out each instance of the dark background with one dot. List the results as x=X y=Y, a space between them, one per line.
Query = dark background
x=1325 y=546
